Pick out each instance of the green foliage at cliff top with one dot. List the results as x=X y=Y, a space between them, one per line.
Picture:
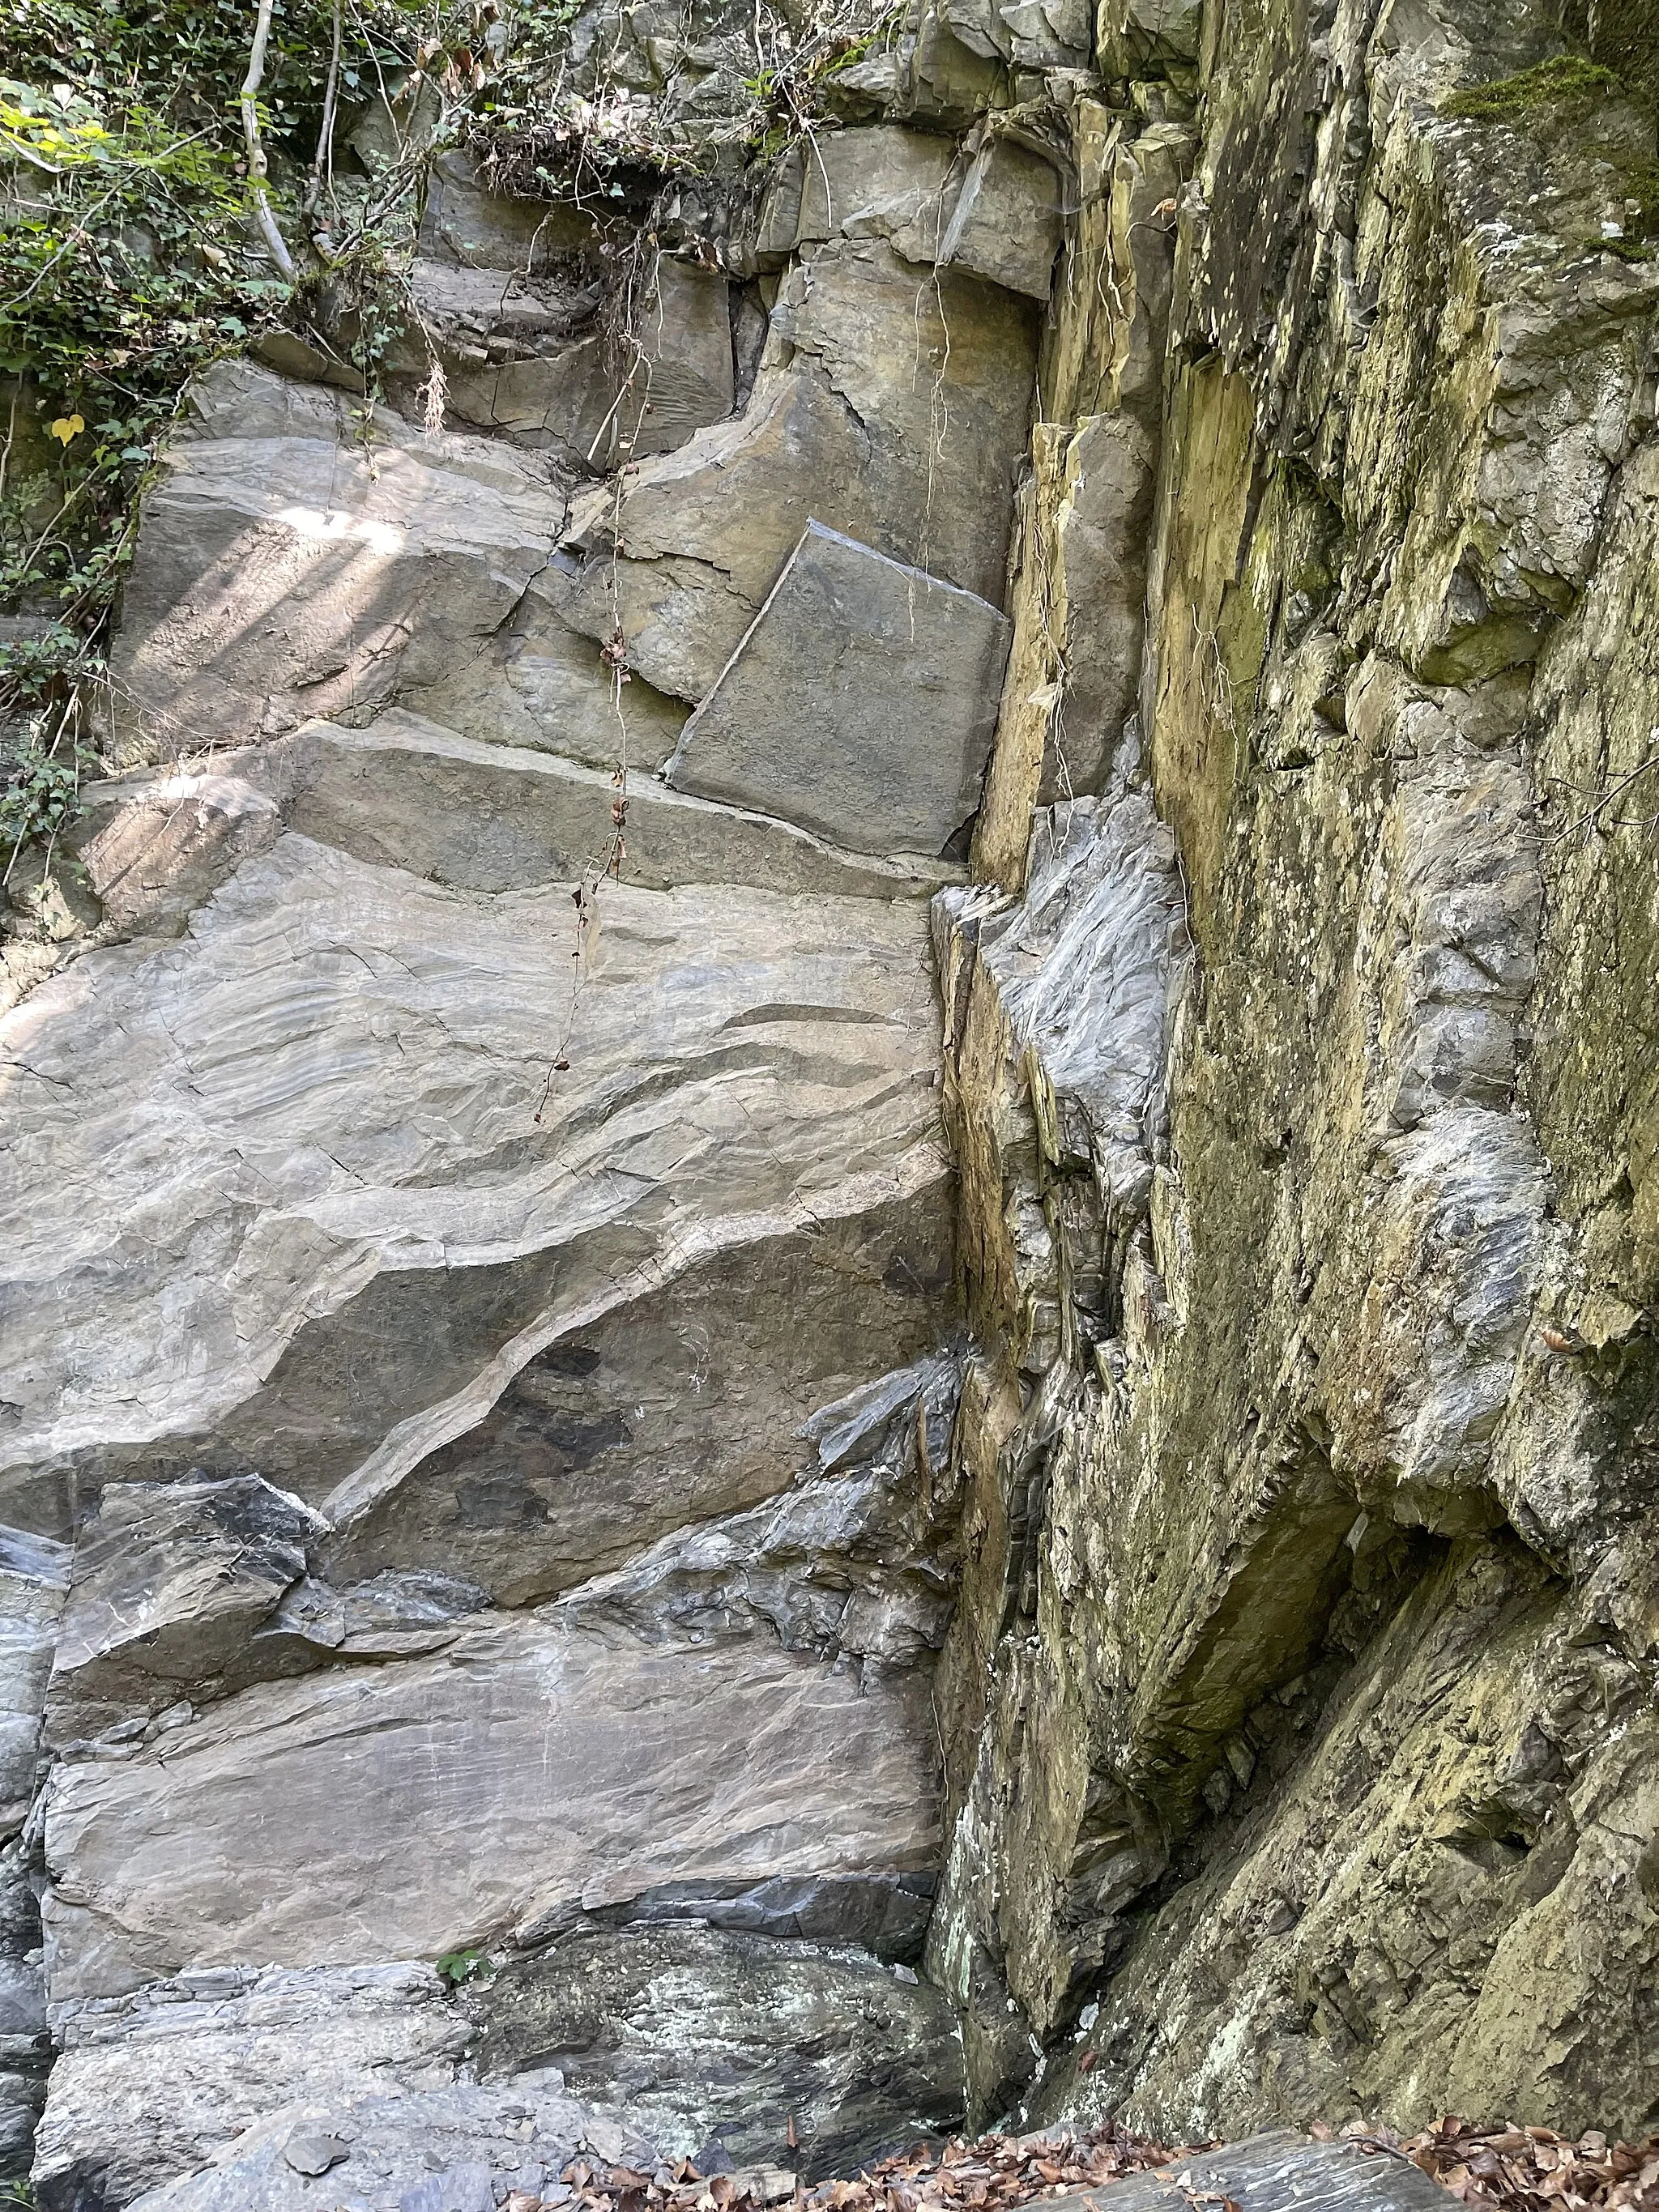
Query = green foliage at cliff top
x=124 y=266
x=128 y=259
x=1567 y=78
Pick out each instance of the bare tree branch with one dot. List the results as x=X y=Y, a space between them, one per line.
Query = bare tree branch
x=256 y=170
x=322 y=166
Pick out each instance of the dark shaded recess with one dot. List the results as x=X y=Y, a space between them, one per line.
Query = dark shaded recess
x=411 y=1339
x=522 y=1443
x=1275 y=1615
x=685 y=1402
x=1403 y=1586
x=885 y=1913
x=81 y=2187
x=1621 y=34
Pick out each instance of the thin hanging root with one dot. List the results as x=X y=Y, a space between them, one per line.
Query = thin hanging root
x=1215 y=685
x=938 y=411
x=606 y=865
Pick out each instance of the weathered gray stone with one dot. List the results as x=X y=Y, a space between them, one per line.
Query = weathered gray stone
x=684 y=377
x=508 y=294
x=1083 y=969
x=409 y=793
x=168 y=1585
x=599 y=1443
x=1136 y=34
x=155 y=846
x=943 y=79
x=881 y=183
x=34 y=1573
x=465 y=224
x=852 y=1562
x=860 y=704
x=892 y=404
x=883 y=1913
x=1007 y=219
x=1274 y=2174
x=716 y=2042
x=33 y=1579
x=472 y=991
x=286 y=573
x=26 y=2050
x=406 y=793
x=441 y=2149
x=153 y=2085
x=604 y=398
x=538 y=1768
x=310 y=2153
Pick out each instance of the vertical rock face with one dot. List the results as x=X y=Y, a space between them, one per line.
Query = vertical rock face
x=1301 y=1684
x=607 y=1540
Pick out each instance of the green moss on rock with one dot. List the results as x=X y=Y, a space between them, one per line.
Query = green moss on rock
x=1567 y=77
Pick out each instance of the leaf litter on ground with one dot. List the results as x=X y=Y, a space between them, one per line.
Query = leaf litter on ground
x=1506 y=2169
x=1528 y=2169
x=997 y=2171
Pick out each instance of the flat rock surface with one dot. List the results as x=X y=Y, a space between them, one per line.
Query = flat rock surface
x=340 y=1073
x=153 y=2084
x=1279 y=2173
x=439 y=2150
x=288 y=570
x=861 y=704
x=533 y=1770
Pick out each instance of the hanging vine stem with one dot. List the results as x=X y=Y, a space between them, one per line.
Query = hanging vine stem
x=607 y=865
x=257 y=170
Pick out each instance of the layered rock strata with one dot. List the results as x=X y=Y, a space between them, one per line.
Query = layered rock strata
x=481 y=1350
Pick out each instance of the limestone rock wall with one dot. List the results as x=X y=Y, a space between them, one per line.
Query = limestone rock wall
x=828 y=1287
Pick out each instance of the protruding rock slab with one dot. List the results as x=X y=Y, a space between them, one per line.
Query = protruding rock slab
x=534 y=1771
x=1008 y=221
x=860 y=704
x=705 y=1106
x=892 y=401
x=408 y=793
x=168 y=1583
x=703 y=2037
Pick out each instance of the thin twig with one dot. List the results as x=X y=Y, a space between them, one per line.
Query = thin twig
x=1611 y=793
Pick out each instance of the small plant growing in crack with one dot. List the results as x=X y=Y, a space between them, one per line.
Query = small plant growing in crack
x=456 y=1969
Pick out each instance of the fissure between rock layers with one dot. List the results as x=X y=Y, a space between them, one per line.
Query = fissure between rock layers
x=998 y=1456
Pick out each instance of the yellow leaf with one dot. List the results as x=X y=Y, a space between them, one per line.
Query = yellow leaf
x=67 y=426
